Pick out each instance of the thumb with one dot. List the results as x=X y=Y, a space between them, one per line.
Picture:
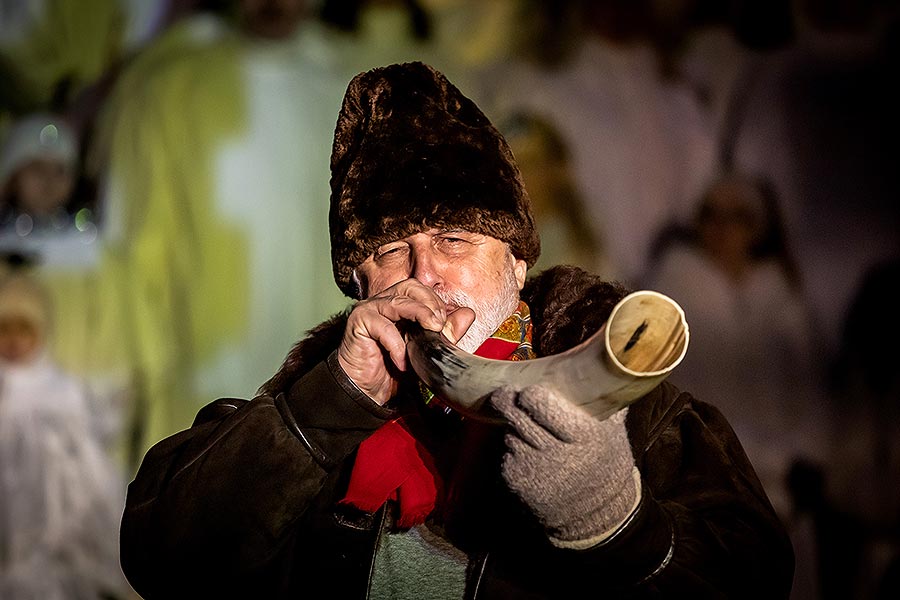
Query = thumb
x=458 y=322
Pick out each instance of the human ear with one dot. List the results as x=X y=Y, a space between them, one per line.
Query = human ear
x=520 y=268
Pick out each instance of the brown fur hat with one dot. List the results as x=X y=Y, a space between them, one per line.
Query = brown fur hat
x=411 y=153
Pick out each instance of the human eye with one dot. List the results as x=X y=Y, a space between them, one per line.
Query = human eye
x=451 y=244
x=456 y=239
x=390 y=252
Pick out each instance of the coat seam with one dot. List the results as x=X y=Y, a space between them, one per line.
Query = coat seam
x=676 y=408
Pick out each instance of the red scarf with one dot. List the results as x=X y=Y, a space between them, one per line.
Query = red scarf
x=392 y=465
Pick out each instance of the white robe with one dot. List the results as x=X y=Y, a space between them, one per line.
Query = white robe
x=751 y=354
x=61 y=496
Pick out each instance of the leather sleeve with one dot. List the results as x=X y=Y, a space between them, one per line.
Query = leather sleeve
x=726 y=539
x=213 y=507
x=704 y=528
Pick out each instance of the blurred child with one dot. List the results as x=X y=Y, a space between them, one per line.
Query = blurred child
x=38 y=174
x=47 y=202
x=60 y=494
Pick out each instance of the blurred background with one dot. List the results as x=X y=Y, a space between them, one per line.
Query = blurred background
x=164 y=184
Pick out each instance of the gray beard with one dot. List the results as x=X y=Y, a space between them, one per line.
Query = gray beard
x=489 y=314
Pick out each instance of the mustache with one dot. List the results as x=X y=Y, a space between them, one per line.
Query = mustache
x=455 y=298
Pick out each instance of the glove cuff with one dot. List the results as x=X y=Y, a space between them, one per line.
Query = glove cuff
x=624 y=503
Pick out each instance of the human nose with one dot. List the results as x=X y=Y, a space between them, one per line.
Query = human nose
x=426 y=267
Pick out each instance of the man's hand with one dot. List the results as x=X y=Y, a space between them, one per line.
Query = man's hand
x=576 y=473
x=373 y=349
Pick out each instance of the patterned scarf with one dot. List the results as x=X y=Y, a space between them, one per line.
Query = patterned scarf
x=392 y=465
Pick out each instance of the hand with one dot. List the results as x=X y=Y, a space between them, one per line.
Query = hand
x=373 y=349
x=576 y=473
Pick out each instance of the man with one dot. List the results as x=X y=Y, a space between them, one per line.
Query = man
x=345 y=479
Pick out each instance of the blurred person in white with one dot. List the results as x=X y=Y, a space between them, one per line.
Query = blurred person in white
x=545 y=162
x=374 y=33
x=642 y=145
x=53 y=51
x=457 y=36
x=753 y=340
x=60 y=494
x=814 y=109
x=214 y=154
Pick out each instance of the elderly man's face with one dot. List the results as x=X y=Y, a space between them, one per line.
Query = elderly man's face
x=463 y=268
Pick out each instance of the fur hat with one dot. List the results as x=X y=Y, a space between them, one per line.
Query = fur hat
x=411 y=153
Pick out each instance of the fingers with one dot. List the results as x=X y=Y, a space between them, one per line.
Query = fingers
x=411 y=300
x=372 y=335
x=372 y=341
x=541 y=417
x=557 y=415
x=375 y=318
x=506 y=401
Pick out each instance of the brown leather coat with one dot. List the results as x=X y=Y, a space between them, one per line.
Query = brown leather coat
x=243 y=504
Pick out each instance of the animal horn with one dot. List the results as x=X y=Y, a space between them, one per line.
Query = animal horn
x=642 y=341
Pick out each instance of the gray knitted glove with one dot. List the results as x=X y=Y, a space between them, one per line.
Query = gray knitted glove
x=576 y=473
